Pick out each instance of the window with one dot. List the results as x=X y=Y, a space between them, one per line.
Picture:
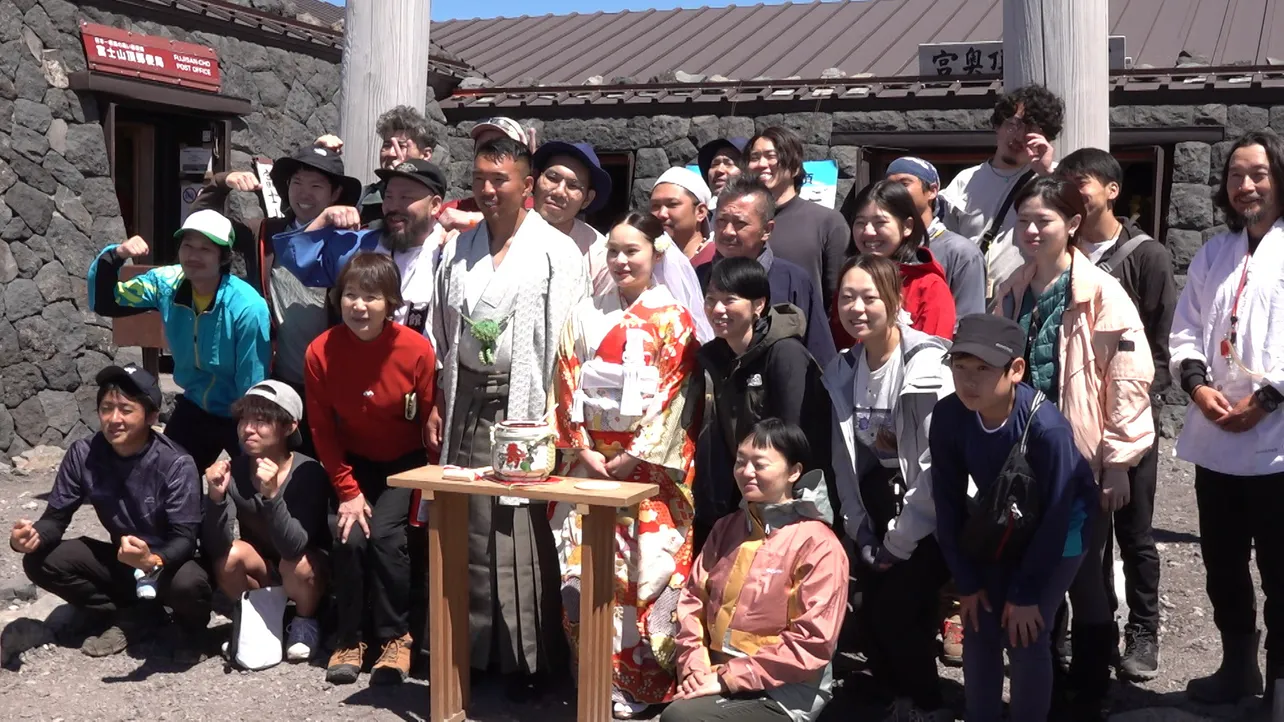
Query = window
x=620 y=167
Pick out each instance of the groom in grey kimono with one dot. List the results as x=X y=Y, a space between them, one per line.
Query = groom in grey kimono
x=504 y=291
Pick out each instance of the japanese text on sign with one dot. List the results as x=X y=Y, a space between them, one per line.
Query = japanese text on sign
x=148 y=57
x=986 y=58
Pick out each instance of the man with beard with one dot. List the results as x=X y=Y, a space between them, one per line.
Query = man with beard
x=680 y=199
x=809 y=235
x=745 y=221
x=504 y=292
x=978 y=202
x=1226 y=347
x=569 y=180
x=311 y=180
x=404 y=135
x=719 y=162
x=409 y=233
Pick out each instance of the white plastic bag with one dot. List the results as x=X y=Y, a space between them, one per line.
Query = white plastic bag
x=257 y=631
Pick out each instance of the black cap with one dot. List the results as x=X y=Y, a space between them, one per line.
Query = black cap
x=317 y=158
x=419 y=171
x=131 y=377
x=993 y=339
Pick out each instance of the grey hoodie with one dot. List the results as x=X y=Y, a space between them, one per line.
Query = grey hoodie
x=926 y=380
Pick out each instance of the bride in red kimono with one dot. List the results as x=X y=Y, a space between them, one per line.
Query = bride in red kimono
x=622 y=368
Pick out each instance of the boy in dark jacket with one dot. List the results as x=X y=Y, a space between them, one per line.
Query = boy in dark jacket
x=1006 y=605
x=1144 y=268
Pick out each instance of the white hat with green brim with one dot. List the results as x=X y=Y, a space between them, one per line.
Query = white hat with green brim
x=209 y=223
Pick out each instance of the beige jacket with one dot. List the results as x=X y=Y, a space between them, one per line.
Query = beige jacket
x=1105 y=367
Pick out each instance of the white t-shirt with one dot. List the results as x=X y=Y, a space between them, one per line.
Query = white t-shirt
x=971 y=200
x=874 y=405
x=1094 y=251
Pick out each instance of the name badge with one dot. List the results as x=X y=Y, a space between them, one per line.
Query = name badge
x=412 y=405
x=755 y=381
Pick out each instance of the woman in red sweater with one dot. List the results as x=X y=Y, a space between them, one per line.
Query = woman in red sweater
x=370 y=384
x=887 y=224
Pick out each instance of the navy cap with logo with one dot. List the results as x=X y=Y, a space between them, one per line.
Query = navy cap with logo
x=418 y=170
x=993 y=339
x=132 y=378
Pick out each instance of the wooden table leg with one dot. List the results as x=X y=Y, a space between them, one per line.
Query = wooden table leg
x=448 y=595
x=597 y=604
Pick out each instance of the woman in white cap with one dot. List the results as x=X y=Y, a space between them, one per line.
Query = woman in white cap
x=280 y=500
x=215 y=323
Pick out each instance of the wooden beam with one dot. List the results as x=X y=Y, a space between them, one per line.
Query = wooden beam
x=1062 y=44
x=385 y=64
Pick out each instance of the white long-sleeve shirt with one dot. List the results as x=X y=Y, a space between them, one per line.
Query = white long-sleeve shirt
x=1202 y=320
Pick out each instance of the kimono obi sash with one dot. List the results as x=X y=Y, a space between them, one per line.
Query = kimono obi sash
x=626 y=390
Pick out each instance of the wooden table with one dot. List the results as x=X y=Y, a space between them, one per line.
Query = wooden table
x=448 y=581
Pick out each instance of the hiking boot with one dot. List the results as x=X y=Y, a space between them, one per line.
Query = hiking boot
x=303 y=636
x=128 y=626
x=393 y=665
x=952 y=638
x=1236 y=678
x=1140 y=662
x=345 y=664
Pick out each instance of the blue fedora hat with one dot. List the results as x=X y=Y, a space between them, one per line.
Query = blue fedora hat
x=600 y=179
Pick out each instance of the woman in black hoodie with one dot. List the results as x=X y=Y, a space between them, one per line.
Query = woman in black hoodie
x=756 y=367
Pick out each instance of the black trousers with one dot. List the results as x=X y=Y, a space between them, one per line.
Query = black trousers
x=202 y=434
x=899 y=617
x=372 y=574
x=85 y=572
x=717 y=708
x=1236 y=515
x=1136 y=537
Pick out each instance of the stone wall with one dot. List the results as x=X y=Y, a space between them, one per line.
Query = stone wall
x=661 y=141
x=58 y=204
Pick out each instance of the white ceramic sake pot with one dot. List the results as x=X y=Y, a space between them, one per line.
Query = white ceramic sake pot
x=522 y=450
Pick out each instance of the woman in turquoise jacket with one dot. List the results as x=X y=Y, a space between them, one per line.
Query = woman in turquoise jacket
x=216 y=326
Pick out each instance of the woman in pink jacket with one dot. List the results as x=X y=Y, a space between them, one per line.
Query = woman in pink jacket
x=760 y=614
x=1087 y=352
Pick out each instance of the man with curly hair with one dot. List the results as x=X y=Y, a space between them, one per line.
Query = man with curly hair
x=405 y=134
x=978 y=201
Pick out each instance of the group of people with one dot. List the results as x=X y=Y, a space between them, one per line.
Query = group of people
x=946 y=403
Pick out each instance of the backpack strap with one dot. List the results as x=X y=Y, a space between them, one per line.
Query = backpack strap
x=1115 y=260
x=1035 y=403
x=992 y=229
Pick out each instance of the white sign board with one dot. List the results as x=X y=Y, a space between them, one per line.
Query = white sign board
x=194 y=160
x=267 y=189
x=985 y=57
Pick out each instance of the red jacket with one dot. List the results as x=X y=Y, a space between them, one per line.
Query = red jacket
x=925 y=295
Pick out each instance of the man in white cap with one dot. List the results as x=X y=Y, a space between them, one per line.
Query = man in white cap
x=464 y=214
x=215 y=323
x=279 y=499
x=680 y=199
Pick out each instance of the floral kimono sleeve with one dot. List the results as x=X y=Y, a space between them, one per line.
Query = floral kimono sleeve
x=660 y=438
x=566 y=379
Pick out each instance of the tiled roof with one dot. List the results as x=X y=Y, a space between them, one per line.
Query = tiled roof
x=878 y=37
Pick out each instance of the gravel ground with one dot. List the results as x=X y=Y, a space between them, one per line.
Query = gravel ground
x=56 y=682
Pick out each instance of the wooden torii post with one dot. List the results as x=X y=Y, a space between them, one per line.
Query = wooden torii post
x=385 y=64
x=1063 y=45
